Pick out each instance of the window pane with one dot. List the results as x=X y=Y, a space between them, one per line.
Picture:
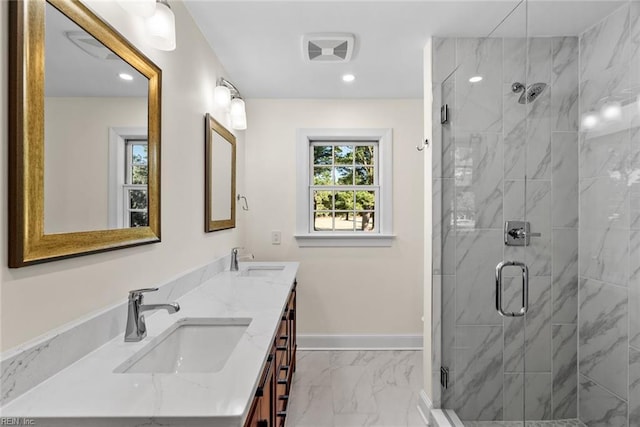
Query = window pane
x=322 y=175
x=139 y=175
x=344 y=200
x=365 y=221
x=364 y=155
x=344 y=175
x=365 y=200
x=465 y=210
x=344 y=154
x=139 y=154
x=344 y=221
x=323 y=221
x=364 y=175
x=322 y=200
x=139 y=219
x=322 y=155
x=137 y=199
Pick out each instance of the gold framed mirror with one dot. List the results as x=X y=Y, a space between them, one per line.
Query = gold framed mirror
x=84 y=148
x=220 y=177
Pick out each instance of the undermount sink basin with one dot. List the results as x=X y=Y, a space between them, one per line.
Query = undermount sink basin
x=262 y=271
x=191 y=345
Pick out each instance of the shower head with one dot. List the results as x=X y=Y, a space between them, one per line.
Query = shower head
x=530 y=93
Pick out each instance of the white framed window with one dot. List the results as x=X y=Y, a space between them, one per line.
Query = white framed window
x=135 y=206
x=128 y=178
x=344 y=187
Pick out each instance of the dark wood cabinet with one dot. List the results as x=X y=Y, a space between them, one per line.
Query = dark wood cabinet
x=269 y=407
x=260 y=414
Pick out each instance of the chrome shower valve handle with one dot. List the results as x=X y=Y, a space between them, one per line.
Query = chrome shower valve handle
x=518 y=233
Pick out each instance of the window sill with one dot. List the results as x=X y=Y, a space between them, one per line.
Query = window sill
x=344 y=240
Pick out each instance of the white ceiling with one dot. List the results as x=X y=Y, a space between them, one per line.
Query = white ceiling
x=260 y=42
x=71 y=72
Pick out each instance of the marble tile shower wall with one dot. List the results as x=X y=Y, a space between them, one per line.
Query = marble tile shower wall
x=488 y=147
x=609 y=302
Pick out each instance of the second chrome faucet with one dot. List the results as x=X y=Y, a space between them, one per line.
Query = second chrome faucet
x=136 y=327
x=234 y=258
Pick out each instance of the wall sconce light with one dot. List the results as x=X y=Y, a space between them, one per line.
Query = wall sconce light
x=222 y=96
x=238 y=114
x=161 y=27
x=141 y=8
x=226 y=95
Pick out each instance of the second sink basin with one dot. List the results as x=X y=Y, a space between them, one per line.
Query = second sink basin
x=191 y=345
x=262 y=270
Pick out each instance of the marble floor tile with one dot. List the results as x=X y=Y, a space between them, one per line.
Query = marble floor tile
x=312 y=369
x=554 y=423
x=310 y=407
x=351 y=388
x=356 y=388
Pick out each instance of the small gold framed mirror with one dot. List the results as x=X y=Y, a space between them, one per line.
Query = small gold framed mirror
x=220 y=177
x=84 y=135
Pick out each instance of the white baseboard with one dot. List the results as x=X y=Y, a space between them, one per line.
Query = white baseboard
x=445 y=418
x=359 y=342
x=424 y=407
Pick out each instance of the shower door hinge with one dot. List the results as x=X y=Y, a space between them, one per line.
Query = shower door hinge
x=444 y=377
x=444 y=114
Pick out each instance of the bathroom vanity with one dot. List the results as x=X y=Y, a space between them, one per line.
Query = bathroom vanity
x=225 y=359
x=269 y=407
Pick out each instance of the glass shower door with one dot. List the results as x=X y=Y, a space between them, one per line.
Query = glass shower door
x=481 y=183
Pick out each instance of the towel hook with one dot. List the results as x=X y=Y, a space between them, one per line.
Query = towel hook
x=422 y=146
x=245 y=206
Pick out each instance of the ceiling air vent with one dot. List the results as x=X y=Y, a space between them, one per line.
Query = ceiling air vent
x=328 y=47
x=90 y=45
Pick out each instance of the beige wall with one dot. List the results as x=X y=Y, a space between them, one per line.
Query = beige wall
x=39 y=298
x=342 y=290
x=76 y=169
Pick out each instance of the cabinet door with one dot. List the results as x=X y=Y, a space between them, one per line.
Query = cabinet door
x=262 y=409
x=292 y=330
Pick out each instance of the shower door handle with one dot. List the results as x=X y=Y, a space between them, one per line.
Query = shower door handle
x=525 y=288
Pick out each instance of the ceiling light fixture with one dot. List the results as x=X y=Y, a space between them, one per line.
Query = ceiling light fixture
x=125 y=76
x=348 y=78
x=226 y=95
x=590 y=120
x=141 y=8
x=475 y=79
x=161 y=27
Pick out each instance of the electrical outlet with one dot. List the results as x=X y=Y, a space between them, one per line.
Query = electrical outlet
x=276 y=237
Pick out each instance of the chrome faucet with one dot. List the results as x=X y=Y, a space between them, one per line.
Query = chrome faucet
x=136 y=327
x=234 y=259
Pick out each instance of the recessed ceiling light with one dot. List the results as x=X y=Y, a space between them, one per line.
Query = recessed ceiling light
x=348 y=78
x=475 y=79
x=125 y=76
x=611 y=110
x=590 y=120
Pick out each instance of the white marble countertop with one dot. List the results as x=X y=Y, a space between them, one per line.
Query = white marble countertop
x=89 y=388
